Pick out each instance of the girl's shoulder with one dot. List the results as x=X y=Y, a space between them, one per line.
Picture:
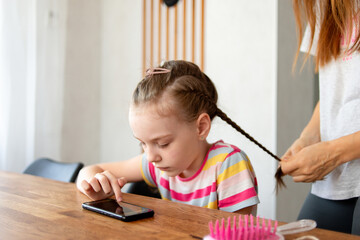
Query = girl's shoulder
x=220 y=147
x=227 y=151
x=221 y=152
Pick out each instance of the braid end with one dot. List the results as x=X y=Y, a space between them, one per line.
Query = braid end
x=279 y=181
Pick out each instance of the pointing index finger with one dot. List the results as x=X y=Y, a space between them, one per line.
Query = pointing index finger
x=114 y=185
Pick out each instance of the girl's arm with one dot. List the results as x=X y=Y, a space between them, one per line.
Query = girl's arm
x=103 y=180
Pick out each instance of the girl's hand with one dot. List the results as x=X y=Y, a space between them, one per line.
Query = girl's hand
x=103 y=185
x=309 y=163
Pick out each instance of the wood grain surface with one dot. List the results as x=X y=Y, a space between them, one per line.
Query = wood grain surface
x=37 y=208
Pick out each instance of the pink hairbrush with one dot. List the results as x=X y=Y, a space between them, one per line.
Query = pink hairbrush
x=247 y=229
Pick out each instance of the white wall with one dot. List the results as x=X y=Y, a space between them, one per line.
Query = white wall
x=82 y=82
x=241 y=60
x=121 y=69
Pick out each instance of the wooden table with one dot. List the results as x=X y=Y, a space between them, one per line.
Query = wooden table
x=37 y=208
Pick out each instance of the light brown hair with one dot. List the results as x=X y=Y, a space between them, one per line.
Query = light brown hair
x=191 y=92
x=336 y=19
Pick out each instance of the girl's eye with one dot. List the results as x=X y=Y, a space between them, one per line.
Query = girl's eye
x=163 y=145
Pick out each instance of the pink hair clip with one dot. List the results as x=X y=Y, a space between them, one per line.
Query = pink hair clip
x=152 y=71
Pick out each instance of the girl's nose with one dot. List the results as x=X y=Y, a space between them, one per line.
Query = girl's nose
x=152 y=156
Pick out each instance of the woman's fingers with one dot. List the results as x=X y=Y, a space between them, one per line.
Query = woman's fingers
x=287 y=154
x=310 y=164
x=296 y=148
x=302 y=178
x=288 y=166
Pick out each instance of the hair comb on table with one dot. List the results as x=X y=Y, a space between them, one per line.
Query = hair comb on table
x=243 y=229
x=246 y=229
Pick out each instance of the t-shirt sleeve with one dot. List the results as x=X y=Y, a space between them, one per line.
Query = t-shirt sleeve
x=236 y=181
x=306 y=41
x=148 y=172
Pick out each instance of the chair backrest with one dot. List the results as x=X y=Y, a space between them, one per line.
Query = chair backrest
x=141 y=188
x=48 y=168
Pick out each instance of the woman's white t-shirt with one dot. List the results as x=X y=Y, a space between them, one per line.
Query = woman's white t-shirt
x=339 y=82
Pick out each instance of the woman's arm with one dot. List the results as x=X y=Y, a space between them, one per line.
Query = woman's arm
x=310 y=135
x=311 y=162
x=316 y=161
x=347 y=148
x=103 y=180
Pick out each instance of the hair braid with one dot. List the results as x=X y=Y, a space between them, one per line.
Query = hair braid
x=279 y=174
x=225 y=118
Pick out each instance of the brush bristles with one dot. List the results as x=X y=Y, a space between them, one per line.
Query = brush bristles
x=246 y=229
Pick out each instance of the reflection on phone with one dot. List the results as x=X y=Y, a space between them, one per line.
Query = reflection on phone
x=119 y=210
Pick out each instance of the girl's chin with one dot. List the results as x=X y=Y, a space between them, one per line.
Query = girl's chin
x=172 y=173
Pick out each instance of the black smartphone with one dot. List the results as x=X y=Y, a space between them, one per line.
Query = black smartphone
x=119 y=210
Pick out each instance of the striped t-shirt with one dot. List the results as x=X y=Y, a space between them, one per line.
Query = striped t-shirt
x=226 y=181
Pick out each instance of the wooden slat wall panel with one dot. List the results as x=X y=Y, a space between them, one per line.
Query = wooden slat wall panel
x=170 y=31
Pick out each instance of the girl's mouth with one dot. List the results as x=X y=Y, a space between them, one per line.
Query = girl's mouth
x=163 y=168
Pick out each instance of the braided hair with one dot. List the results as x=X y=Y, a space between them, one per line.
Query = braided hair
x=192 y=93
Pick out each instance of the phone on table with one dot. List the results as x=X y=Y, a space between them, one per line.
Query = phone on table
x=119 y=210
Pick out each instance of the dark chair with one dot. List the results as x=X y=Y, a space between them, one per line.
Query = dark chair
x=48 y=168
x=141 y=188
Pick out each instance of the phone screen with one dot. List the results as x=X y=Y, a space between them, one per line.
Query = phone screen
x=123 y=210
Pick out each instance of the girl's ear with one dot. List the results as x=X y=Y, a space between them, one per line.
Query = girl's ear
x=203 y=124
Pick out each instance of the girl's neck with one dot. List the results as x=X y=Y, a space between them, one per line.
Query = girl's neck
x=198 y=162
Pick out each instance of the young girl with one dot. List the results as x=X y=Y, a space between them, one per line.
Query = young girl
x=171 y=113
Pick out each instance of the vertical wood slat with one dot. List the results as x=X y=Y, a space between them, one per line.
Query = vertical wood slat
x=175 y=31
x=184 y=29
x=193 y=32
x=144 y=38
x=151 y=32
x=167 y=33
x=159 y=32
x=202 y=34
x=172 y=30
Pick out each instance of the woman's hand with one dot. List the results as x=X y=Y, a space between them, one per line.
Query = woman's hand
x=299 y=144
x=308 y=163
x=103 y=185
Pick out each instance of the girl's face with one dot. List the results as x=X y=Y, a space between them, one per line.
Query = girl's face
x=172 y=145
